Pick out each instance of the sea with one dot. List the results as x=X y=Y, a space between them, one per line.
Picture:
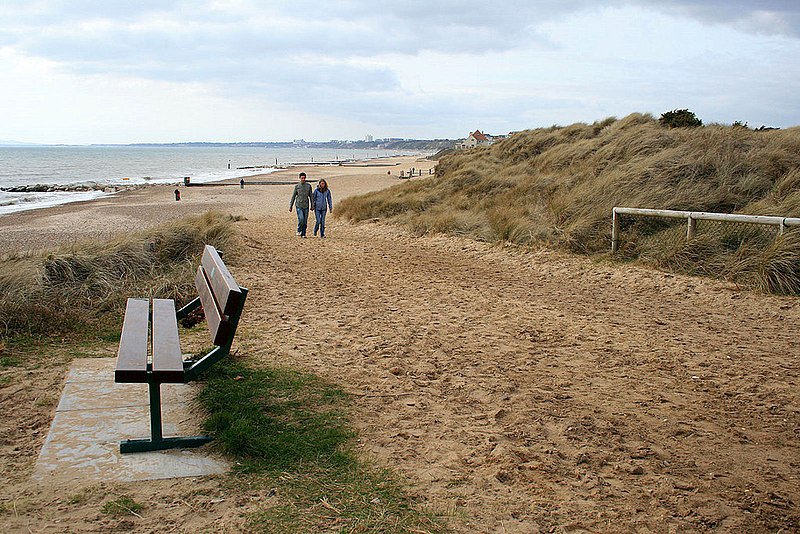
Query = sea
x=119 y=166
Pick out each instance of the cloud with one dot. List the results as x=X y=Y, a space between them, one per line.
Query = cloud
x=134 y=37
x=421 y=66
x=75 y=32
x=770 y=17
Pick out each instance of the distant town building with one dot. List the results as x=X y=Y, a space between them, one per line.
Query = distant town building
x=368 y=138
x=474 y=139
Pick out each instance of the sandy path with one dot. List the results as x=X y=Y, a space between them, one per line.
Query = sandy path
x=525 y=391
x=536 y=390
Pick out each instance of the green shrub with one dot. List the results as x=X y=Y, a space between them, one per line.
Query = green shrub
x=679 y=118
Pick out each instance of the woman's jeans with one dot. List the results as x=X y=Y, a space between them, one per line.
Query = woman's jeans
x=320 y=225
x=302 y=220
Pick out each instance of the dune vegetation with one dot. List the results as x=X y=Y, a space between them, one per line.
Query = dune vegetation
x=84 y=287
x=557 y=186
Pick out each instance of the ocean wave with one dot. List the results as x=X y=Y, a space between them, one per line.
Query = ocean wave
x=16 y=202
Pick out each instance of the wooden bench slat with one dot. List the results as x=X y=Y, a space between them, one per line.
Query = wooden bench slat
x=225 y=288
x=218 y=324
x=167 y=360
x=133 y=343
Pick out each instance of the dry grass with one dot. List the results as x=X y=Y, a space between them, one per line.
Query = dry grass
x=557 y=186
x=85 y=286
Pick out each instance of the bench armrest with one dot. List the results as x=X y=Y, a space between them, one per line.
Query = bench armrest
x=186 y=310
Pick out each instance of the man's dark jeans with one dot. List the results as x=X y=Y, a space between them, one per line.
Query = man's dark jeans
x=302 y=220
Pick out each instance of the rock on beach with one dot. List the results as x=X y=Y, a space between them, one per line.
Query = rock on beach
x=49 y=188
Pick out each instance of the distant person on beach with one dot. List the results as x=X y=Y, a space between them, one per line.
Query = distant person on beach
x=177 y=194
x=241 y=183
x=301 y=200
x=322 y=202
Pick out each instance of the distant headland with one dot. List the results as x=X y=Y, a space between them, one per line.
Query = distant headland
x=382 y=144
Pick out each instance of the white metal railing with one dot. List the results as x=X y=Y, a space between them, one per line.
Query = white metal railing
x=693 y=216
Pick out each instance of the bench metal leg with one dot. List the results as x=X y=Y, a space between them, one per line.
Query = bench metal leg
x=157 y=442
x=155 y=411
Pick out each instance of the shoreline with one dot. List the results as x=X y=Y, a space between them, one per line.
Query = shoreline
x=150 y=205
x=16 y=197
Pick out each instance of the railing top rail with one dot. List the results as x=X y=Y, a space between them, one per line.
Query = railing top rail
x=702 y=215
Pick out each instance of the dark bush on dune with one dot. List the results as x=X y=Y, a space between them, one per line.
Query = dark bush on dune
x=681 y=118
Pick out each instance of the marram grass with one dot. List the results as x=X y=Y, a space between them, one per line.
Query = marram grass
x=556 y=186
x=84 y=287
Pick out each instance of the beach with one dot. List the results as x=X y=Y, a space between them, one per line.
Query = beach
x=511 y=389
x=151 y=205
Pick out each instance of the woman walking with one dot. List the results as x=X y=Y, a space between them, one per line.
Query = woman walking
x=322 y=202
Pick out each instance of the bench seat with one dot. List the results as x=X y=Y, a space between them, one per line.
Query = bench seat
x=166 y=365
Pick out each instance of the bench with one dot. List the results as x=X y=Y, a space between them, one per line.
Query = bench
x=149 y=348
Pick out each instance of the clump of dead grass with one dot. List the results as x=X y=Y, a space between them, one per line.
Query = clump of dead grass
x=557 y=186
x=85 y=286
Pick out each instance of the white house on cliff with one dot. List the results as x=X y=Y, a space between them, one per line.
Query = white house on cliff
x=474 y=139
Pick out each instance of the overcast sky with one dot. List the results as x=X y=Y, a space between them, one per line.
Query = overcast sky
x=116 y=71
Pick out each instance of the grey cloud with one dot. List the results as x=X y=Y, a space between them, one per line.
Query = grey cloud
x=204 y=45
x=765 y=16
x=319 y=53
x=351 y=28
x=236 y=60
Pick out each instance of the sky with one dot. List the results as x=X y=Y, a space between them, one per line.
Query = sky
x=116 y=71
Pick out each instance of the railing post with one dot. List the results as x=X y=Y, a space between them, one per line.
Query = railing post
x=614 y=230
x=782 y=226
x=691 y=228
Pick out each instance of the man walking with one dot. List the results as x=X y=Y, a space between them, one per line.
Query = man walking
x=301 y=200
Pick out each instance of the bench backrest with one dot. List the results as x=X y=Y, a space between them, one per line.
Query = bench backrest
x=220 y=296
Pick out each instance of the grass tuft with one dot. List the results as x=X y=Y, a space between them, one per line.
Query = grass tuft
x=83 y=287
x=123 y=505
x=778 y=267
